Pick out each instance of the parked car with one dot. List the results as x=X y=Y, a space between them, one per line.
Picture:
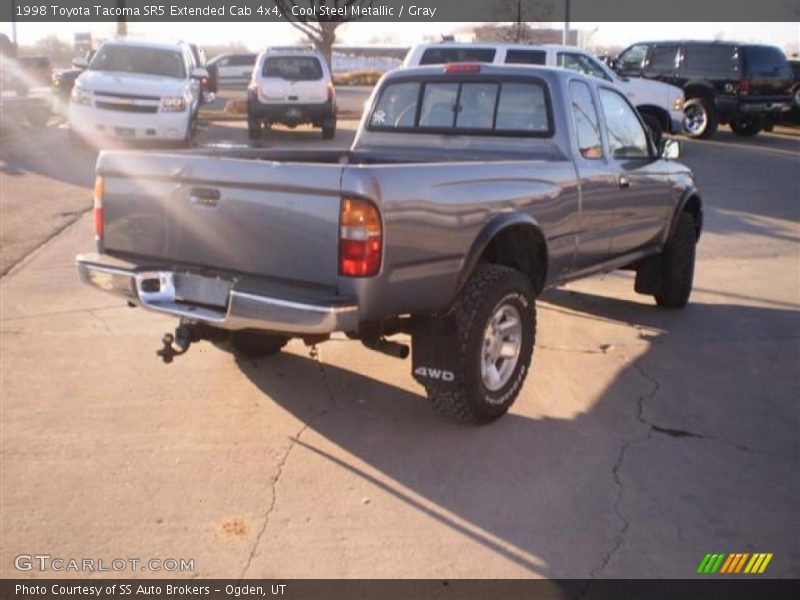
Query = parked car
x=137 y=90
x=208 y=84
x=63 y=81
x=746 y=86
x=660 y=105
x=291 y=85
x=467 y=191
x=234 y=70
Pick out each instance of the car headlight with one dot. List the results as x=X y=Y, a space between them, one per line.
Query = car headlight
x=677 y=104
x=81 y=96
x=173 y=104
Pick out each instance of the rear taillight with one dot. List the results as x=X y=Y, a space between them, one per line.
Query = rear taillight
x=744 y=87
x=331 y=92
x=99 y=191
x=360 y=238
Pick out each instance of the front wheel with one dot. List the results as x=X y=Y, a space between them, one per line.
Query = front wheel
x=676 y=268
x=700 y=118
x=746 y=126
x=495 y=317
x=654 y=125
x=328 y=129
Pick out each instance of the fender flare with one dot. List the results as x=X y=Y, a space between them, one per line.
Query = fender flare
x=688 y=194
x=489 y=231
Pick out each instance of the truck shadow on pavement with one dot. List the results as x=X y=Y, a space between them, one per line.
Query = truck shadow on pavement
x=609 y=491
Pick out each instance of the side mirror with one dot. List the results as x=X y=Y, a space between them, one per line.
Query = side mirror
x=80 y=63
x=199 y=73
x=669 y=149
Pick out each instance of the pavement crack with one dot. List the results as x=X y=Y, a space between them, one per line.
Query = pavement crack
x=101 y=319
x=293 y=440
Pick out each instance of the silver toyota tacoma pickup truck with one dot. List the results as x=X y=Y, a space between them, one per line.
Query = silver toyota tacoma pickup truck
x=468 y=190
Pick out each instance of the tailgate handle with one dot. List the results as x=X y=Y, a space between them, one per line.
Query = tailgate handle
x=205 y=196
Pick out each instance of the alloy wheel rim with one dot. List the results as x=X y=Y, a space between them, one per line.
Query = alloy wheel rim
x=502 y=342
x=696 y=119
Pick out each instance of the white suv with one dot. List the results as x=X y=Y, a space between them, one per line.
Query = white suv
x=137 y=90
x=291 y=85
x=660 y=104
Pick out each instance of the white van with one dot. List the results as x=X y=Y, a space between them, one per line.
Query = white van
x=291 y=85
x=137 y=90
x=660 y=104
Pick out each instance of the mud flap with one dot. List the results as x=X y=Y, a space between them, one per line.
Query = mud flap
x=434 y=352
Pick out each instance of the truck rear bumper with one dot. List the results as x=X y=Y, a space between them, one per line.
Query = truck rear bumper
x=214 y=301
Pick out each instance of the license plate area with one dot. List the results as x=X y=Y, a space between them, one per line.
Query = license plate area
x=168 y=287
x=125 y=132
x=294 y=113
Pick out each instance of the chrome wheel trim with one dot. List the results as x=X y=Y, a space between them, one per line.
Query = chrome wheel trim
x=696 y=119
x=502 y=344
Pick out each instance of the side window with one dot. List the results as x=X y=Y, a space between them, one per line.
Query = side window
x=581 y=64
x=438 y=56
x=584 y=114
x=633 y=57
x=712 y=59
x=526 y=57
x=662 y=59
x=224 y=62
x=626 y=136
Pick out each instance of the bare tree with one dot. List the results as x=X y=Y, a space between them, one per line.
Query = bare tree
x=321 y=30
x=122 y=23
x=518 y=16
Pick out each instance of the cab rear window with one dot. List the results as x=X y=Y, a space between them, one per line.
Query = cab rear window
x=440 y=56
x=508 y=108
x=292 y=68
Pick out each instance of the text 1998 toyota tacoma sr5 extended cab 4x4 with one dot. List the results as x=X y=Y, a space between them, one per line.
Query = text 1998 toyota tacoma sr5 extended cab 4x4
x=467 y=191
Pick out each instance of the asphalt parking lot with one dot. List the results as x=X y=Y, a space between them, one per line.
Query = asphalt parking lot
x=643 y=438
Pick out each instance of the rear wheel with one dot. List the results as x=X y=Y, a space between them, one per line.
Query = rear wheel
x=252 y=344
x=746 y=126
x=701 y=119
x=328 y=129
x=496 y=323
x=253 y=129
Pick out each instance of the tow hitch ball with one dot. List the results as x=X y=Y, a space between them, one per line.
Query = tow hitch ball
x=182 y=339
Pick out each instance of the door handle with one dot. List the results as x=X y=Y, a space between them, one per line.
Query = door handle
x=205 y=196
x=624 y=182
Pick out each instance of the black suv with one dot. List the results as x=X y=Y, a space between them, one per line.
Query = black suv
x=744 y=85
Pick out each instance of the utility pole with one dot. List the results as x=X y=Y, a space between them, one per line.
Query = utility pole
x=565 y=39
x=518 y=32
x=122 y=24
x=14 y=23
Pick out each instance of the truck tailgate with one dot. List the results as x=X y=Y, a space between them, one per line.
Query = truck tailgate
x=263 y=218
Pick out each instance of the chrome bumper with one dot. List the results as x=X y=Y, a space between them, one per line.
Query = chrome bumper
x=218 y=304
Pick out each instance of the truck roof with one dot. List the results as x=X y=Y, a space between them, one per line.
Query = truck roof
x=547 y=73
x=146 y=44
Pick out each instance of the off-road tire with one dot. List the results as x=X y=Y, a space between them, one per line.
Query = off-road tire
x=251 y=344
x=676 y=271
x=712 y=119
x=654 y=125
x=254 y=129
x=328 y=129
x=746 y=126
x=489 y=287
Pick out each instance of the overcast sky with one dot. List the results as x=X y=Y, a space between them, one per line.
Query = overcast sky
x=257 y=35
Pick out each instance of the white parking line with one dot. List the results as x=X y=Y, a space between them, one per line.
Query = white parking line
x=744 y=147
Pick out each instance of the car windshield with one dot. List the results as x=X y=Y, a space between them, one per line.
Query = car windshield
x=134 y=59
x=293 y=68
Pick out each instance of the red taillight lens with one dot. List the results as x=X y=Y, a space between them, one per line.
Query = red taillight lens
x=331 y=92
x=99 y=191
x=744 y=87
x=462 y=68
x=360 y=238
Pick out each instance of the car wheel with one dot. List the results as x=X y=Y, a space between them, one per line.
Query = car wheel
x=495 y=317
x=700 y=118
x=796 y=96
x=253 y=129
x=328 y=129
x=654 y=125
x=676 y=268
x=251 y=344
x=746 y=126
